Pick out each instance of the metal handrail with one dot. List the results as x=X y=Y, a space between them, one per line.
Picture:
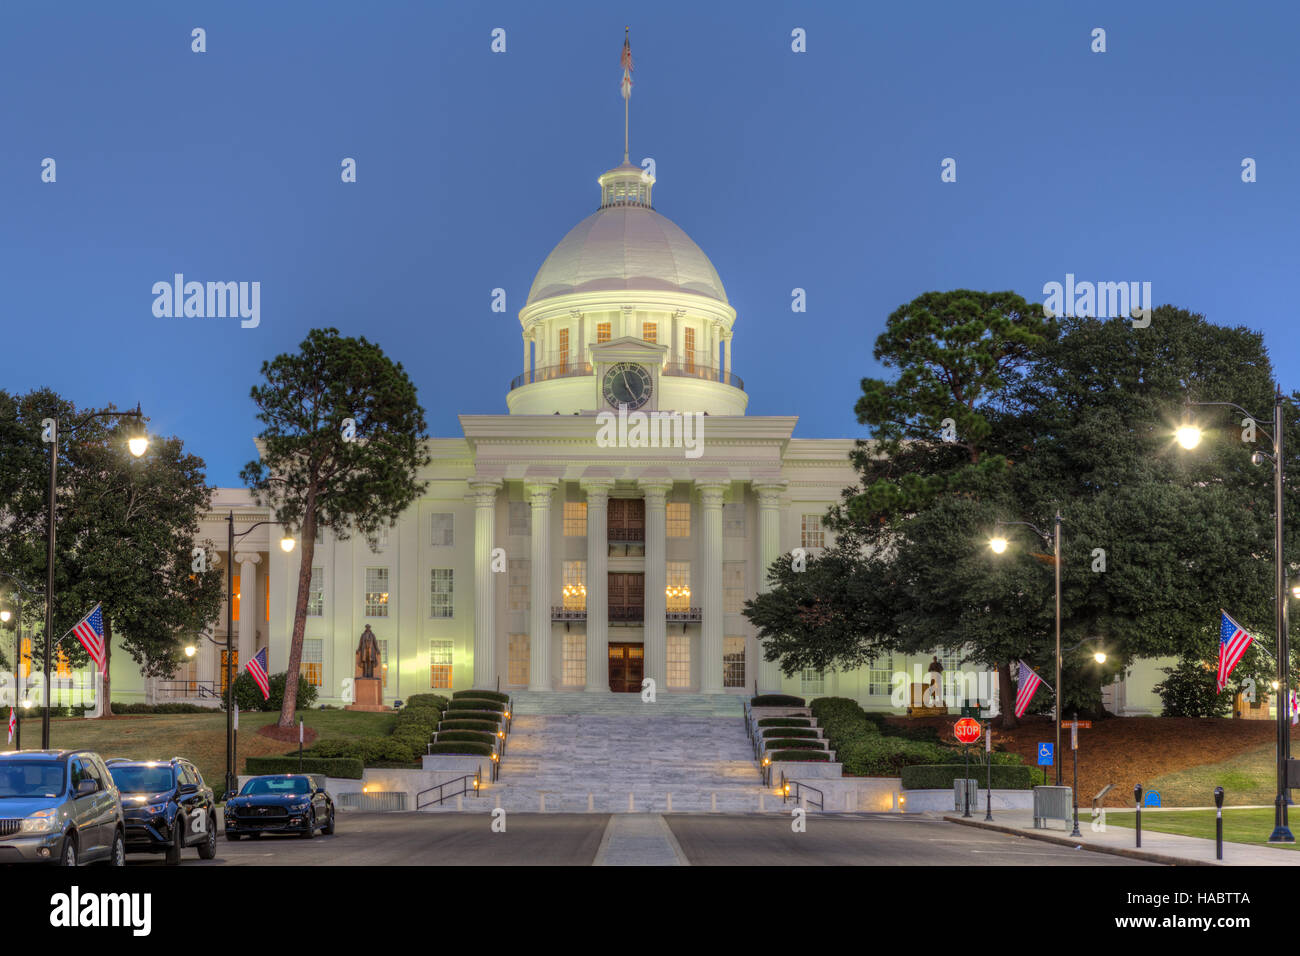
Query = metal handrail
x=709 y=373
x=476 y=776
x=785 y=792
x=549 y=372
x=188 y=688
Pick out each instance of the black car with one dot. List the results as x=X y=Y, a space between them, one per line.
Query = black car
x=280 y=803
x=167 y=807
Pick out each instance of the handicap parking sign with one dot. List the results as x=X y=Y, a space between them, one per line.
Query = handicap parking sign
x=1045 y=754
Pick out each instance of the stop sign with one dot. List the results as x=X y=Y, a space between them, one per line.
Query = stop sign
x=967 y=730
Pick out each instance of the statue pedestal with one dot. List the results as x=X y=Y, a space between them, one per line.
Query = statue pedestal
x=369 y=694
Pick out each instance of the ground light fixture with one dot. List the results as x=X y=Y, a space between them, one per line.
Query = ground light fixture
x=1188 y=436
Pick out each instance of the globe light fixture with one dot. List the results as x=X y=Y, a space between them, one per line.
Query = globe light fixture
x=286 y=544
x=5 y=615
x=138 y=444
x=1099 y=657
x=1188 y=436
x=190 y=650
x=998 y=545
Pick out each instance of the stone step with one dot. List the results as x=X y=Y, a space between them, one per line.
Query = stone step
x=630 y=705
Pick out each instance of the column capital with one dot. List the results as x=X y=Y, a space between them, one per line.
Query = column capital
x=769 y=491
x=247 y=557
x=655 y=490
x=597 y=489
x=712 y=491
x=484 y=491
x=540 y=491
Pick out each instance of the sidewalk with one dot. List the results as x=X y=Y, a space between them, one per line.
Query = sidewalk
x=1156 y=847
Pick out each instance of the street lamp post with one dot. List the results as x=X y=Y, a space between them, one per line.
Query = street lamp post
x=1188 y=436
x=137 y=444
x=1054 y=539
x=286 y=545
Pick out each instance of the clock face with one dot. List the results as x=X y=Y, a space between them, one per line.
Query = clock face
x=627 y=383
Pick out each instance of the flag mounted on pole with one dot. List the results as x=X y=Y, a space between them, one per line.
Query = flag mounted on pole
x=257 y=670
x=625 y=61
x=90 y=631
x=13 y=723
x=1233 y=642
x=1026 y=687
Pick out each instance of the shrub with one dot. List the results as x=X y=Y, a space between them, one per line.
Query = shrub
x=785 y=722
x=173 y=708
x=249 y=697
x=476 y=703
x=482 y=695
x=780 y=743
x=371 y=751
x=426 y=700
x=789 y=732
x=471 y=749
x=880 y=756
x=491 y=716
x=348 y=768
x=804 y=755
x=482 y=726
x=448 y=736
x=942 y=777
x=1189 y=691
x=828 y=707
x=776 y=700
x=415 y=725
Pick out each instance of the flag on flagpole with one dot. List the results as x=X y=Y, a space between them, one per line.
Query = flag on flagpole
x=257 y=670
x=1026 y=687
x=1233 y=641
x=626 y=62
x=90 y=631
x=1295 y=708
x=13 y=723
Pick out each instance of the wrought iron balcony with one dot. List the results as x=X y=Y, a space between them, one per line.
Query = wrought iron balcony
x=685 y=615
x=567 y=614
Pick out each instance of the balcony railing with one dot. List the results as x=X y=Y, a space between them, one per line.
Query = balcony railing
x=568 y=613
x=685 y=615
x=549 y=372
x=628 y=614
x=627 y=535
x=708 y=373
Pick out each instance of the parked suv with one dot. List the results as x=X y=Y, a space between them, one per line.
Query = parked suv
x=167 y=807
x=59 y=806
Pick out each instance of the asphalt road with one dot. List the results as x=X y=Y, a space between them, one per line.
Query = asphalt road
x=569 y=839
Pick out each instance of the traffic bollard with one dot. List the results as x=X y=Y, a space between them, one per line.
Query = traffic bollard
x=1218 y=823
x=1137 y=801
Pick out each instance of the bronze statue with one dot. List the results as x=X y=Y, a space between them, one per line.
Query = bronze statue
x=369 y=658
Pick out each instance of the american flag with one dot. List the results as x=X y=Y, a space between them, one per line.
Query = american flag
x=13 y=723
x=626 y=62
x=1295 y=708
x=1233 y=641
x=1026 y=688
x=257 y=669
x=90 y=631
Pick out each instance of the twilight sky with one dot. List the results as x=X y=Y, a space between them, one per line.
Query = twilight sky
x=817 y=170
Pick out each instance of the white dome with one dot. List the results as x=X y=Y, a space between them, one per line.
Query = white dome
x=626 y=247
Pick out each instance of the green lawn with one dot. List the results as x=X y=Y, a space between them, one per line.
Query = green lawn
x=1249 y=778
x=197 y=737
x=1239 y=825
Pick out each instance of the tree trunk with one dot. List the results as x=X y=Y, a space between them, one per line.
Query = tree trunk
x=1006 y=698
x=289 y=708
x=108 y=659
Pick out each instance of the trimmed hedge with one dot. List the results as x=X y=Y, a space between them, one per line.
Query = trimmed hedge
x=415 y=726
x=943 y=776
x=469 y=749
x=476 y=703
x=785 y=722
x=813 y=756
x=427 y=700
x=371 y=751
x=162 y=709
x=491 y=716
x=789 y=732
x=792 y=744
x=879 y=756
x=482 y=726
x=348 y=768
x=482 y=694
x=470 y=736
x=776 y=700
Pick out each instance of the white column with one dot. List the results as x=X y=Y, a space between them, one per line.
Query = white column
x=248 y=604
x=485 y=605
x=675 y=346
x=656 y=579
x=539 y=590
x=711 y=495
x=769 y=548
x=597 y=582
x=726 y=359
x=526 y=343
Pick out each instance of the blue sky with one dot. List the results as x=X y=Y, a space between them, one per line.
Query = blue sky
x=817 y=170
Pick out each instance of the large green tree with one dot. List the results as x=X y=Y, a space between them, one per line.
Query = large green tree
x=341 y=448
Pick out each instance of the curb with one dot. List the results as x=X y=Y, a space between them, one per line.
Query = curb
x=1133 y=853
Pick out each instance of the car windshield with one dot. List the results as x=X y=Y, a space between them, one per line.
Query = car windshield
x=143 y=778
x=31 y=778
x=280 y=786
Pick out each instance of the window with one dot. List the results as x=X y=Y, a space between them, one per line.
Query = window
x=733 y=662
x=679 y=660
x=880 y=677
x=440 y=665
x=376 y=592
x=733 y=520
x=602 y=332
x=689 y=349
x=517 y=656
x=733 y=586
x=521 y=519
x=575 y=585
x=564 y=349
x=381 y=541
x=383 y=660
x=679 y=519
x=235 y=584
x=811 y=534
x=812 y=681
x=650 y=331
x=316 y=593
x=442 y=530
x=440 y=604
x=573 y=667
x=678 y=577
x=312 y=666
x=519 y=572
x=575 y=519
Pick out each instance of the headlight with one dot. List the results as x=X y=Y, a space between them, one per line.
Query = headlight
x=42 y=821
x=300 y=807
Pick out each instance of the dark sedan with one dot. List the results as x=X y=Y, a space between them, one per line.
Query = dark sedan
x=167 y=807
x=280 y=803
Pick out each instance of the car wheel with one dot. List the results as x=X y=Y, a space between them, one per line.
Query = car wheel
x=174 y=851
x=118 y=856
x=208 y=848
x=68 y=851
x=328 y=828
x=311 y=825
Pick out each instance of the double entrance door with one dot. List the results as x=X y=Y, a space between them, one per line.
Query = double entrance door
x=626 y=667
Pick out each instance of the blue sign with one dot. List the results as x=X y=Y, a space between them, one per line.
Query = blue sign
x=1045 y=755
x=1152 y=799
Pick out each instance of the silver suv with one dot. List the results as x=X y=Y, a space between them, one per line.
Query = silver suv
x=59 y=806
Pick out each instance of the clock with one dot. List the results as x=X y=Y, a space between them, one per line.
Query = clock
x=626 y=383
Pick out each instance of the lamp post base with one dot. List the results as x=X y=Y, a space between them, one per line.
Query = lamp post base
x=1281 y=835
